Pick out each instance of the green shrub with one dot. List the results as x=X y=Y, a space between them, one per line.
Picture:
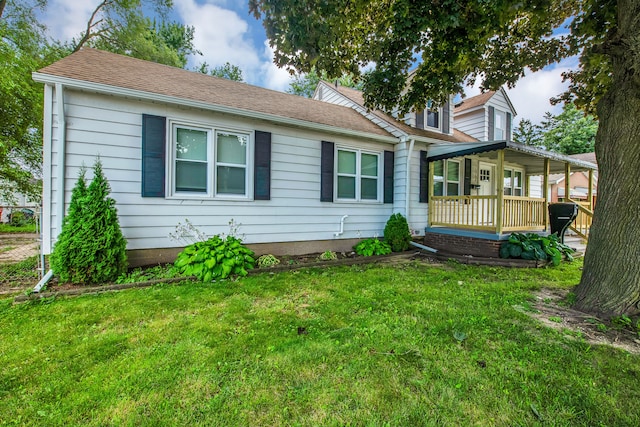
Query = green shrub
x=90 y=247
x=215 y=258
x=533 y=246
x=373 y=246
x=396 y=233
x=267 y=260
x=328 y=256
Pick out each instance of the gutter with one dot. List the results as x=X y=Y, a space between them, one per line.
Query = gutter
x=133 y=93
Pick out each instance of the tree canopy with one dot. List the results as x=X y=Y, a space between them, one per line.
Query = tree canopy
x=227 y=71
x=570 y=132
x=304 y=84
x=425 y=51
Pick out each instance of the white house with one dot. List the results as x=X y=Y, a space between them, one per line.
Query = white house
x=299 y=175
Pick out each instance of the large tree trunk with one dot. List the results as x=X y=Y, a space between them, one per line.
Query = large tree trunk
x=610 y=284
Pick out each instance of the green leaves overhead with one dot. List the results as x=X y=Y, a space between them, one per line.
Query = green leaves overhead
x=454 y=41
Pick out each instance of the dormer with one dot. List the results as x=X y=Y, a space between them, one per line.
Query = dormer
x=437 y=119
x=487 y=117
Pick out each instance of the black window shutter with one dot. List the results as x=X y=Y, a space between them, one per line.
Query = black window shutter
x=326 y=172
x=388 y=176
x=262 y=166
x=153 y=155
x=467 y=177
x=420 y=119
x=446 y=111
x=508 y=126
x=424 y=178
x=492 y=131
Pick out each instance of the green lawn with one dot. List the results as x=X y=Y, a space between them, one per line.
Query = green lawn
x=404 y=345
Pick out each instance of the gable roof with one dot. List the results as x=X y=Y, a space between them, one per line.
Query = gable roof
x=587 y=157
x=102 y=71
x=474 y=101
x=356 y=97
x=480 y=100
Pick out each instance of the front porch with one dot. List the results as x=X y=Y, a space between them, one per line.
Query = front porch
x=498 y=195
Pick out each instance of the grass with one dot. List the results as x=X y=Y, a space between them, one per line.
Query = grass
x=411 y=344
x=8 y=228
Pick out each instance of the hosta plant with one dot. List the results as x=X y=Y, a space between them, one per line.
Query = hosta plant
x=533 y=246
x=373 y=246
x=215 y=258
x=328 y=256
x=267 y=260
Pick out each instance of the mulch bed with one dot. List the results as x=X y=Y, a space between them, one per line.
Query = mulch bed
x=288 y=263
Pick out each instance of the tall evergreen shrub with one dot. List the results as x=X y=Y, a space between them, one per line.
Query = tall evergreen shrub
x=396 y=233
x=90 y=248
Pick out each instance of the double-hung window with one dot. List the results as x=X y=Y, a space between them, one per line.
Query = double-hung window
x=358 y=175
x=209 y=162
x=432 y=116
x=500 y=126
x=446 y=178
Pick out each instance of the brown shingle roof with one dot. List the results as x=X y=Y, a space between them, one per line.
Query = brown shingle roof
x=474 y=101
x=587 y=157
x=95 y=66
x=356 y=96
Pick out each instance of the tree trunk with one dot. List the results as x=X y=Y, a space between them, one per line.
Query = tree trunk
x=610 y=284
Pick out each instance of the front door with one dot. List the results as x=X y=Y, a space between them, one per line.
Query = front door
x=486 y=179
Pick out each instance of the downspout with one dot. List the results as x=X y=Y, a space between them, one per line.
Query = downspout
x=61 y=136
x=408 y=181
x=339 y=233
x=62 y=126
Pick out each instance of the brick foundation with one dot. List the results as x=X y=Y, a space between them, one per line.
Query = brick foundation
x=463 y=245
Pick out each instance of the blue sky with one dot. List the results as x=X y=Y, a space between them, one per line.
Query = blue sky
x=226 y=32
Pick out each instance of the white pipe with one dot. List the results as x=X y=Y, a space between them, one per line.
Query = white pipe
x=341 y=226
x=43 y=281
x=62 y=125
x=423 y=247
x=408 y=182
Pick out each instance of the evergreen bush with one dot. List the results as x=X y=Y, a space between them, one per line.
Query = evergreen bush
x=396 y=233
x=90 y=247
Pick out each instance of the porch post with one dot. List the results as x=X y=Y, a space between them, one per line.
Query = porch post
x=590 y=190
x=545 y=191
x=567 y=186
x=430 y=206
x=500 y=191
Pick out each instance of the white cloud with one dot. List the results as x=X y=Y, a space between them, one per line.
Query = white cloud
x=274 y=77
x=66 y=19
x=221 y=35
x=530 y=97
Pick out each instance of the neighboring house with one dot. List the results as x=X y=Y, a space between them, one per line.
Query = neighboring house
x=578 y=183
x=300 y=175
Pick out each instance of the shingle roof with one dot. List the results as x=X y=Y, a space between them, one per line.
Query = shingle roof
x=356 y=96
x=587 y=157
x=95 y=66
x=474 y=101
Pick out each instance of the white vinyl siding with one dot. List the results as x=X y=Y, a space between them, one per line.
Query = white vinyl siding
x=110 y=126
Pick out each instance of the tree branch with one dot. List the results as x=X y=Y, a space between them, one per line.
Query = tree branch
x=3 y=3
x=88 y=35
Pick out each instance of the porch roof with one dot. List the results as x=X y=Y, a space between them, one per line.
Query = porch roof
x=530 y=157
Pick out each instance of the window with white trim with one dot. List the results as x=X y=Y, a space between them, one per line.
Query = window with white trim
x=500 y=126
x=432 y=117
x=446 y=178
x=358 y=175
x=513 y=182
x=207 y=162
